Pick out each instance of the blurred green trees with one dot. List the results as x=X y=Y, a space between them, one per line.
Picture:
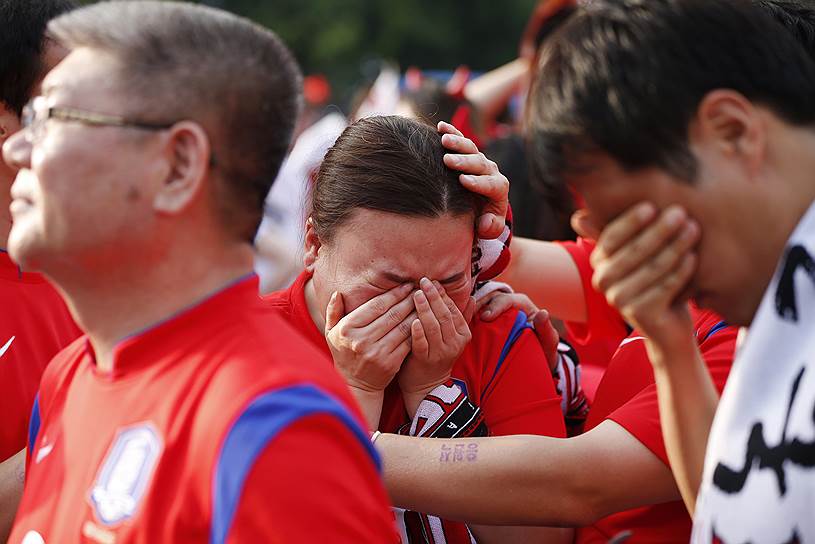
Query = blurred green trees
x=341 y=38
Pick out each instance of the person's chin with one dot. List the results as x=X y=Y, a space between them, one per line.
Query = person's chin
x=24 y=249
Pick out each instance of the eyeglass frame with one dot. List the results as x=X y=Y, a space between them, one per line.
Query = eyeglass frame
x=31 y=118
x=89 y=118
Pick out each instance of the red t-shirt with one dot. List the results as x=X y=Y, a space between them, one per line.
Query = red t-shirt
x=217 y=425
x=627 y=395
x=34 y=326
x=596 y=340
x=503 y=370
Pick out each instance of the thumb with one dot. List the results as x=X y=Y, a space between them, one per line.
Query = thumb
x=469 y=310
x=583 y=225
x=334 y=312
x=490 y=226
x=547 y=336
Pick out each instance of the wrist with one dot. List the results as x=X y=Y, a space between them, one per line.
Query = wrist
x=413 y=396
x=672 y=354
x=422 y=388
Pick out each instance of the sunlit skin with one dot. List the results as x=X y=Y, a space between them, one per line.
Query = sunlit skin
x=50 y=222
x=127 y=205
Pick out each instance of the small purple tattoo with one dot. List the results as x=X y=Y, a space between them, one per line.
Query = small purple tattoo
x=458 y=453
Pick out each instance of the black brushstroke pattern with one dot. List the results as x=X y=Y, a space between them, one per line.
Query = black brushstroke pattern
x=716 y=539
x=785 y=302
x=761 y=456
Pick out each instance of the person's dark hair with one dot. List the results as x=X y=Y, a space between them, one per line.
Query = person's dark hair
x=182 y=61
x=22 y=41
x=797 y=16
x=553 y=23
x=431 y=102
x=625 y=78
x=391 y=164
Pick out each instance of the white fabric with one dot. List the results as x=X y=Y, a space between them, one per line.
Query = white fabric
x=285 y=216
x=776 y=500
x=489 y=287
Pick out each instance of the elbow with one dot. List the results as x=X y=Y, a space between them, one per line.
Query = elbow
x=585 y=502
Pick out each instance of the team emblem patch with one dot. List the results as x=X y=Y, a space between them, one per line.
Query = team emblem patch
x=125 y=473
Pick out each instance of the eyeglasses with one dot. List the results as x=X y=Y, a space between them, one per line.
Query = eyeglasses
x=37 y=112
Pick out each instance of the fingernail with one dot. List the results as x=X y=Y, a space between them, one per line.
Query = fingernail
x=691 y=228
x=645 y=211
x=419 y=297
x=455 y=160
x=674 y=216
x=467 y=178
x=486 y=313
x=425 y=284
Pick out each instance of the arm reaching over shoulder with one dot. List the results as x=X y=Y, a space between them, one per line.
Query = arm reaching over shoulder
x=547 y=274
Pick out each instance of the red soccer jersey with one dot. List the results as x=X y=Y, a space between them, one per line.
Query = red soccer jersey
x=502 y=370
x=217 y=425
x=34 y=326
x=627 y=395
x=597 y=339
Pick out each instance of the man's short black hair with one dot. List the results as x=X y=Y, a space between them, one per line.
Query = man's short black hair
x=625 y=78
x=22 y=31
x=797 y=16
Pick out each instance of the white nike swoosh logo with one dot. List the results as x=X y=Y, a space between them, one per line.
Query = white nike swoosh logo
x=43 y=452
x=632 y=339
x=4 y=349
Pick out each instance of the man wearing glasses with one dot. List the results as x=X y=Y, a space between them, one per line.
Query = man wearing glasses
x=189 y=412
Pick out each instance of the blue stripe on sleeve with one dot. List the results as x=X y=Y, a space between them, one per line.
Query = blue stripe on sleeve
x=520 y=325
x=716 y=328
x=265 y=417
x=34 y=425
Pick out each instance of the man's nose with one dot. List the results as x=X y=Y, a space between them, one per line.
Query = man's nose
x=17 y=151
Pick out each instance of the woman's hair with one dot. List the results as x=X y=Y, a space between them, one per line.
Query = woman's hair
x=390 y=164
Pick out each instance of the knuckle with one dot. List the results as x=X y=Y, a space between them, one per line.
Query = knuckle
x=404 y=328
x=379 y=306
x=600 y=280
x=357 y=346
x=392 y=316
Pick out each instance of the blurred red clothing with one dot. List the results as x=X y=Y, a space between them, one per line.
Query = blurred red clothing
x=627 y=395
x=34 y=326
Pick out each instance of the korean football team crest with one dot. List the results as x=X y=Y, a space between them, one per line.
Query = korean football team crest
x=125 y=473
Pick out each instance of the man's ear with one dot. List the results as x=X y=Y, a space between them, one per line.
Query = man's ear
x=312 y=246
x=731 y=125
x=186 y=156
